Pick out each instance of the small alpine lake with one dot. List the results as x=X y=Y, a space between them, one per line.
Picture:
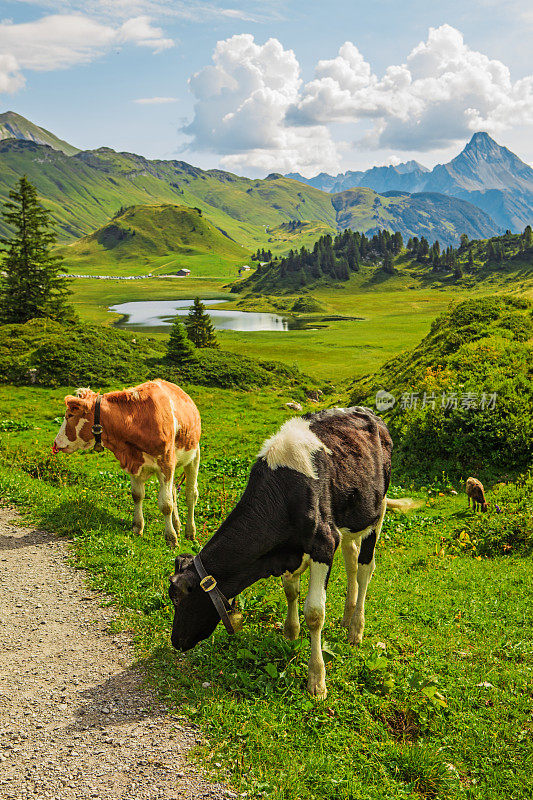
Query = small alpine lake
x=144 y=314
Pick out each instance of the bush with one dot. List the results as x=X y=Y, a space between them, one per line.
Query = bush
x=232 y=371
x=477 y=349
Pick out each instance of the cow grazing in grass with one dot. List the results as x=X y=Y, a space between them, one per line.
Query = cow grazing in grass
x=319 y=482
x=476 y=493
x=152 y=429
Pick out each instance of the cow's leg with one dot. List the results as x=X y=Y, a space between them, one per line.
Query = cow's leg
x=191 y=493
x=291 y=585
x=175 y=515
x=315 y=612
x=137 y=492
x=350 y=551
x=165 y=501
x=366 y=564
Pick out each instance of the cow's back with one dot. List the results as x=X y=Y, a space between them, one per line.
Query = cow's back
x=153 y=417
x=356 y=465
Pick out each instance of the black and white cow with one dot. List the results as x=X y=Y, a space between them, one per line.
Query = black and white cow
x=319 y=482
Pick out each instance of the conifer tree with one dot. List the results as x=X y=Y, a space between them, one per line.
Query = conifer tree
x=180 y=349
x=32 y=286
x=200 y=329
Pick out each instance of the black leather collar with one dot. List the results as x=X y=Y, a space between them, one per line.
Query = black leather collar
x=223 y=606
x=97 y=429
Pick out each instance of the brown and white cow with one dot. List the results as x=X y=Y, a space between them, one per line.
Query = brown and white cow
x=152 y=429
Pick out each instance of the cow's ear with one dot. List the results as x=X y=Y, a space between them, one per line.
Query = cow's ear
x=74 y=403
x=183 y=561
x=184 y=580
x=184 y=583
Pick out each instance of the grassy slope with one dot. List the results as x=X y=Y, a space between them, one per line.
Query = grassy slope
x=461 y=621
x=85 y=190
x=155 y=238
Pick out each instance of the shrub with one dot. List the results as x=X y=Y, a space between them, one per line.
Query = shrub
x=507 y=526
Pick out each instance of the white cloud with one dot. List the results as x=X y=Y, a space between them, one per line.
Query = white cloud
x=155 y=101
x=443 y=93
x=241 y=104
x=61 y=40
x=253 y=108
x=11 y=78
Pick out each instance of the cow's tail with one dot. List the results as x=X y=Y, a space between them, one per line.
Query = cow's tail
x=402 y=504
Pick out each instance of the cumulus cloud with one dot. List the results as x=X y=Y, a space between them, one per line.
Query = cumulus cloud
x=242 y=99
x=442 y=93
x=253 y=107
x=155 y=101
x=61 y=40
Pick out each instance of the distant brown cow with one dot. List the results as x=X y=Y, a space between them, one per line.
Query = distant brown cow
x=151 y=429
x=475 y=491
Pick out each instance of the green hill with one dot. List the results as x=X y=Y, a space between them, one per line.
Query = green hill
x=500 y=261
x=84 y=190
x=463 y=396
x=13 y=126
x=156 y=238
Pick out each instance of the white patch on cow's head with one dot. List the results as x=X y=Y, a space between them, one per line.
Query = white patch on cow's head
x=83 y=392
x=293 y=446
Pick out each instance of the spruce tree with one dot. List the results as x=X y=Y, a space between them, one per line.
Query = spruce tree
x=180 y=349
x=200 y=329
x=32 y=286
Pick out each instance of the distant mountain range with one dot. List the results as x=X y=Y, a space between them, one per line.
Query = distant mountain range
x=85 y=189
x=484 y=173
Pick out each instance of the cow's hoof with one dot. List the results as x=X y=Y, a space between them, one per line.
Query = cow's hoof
x=317 y=689
x=172 y=541
x=137 y=530
x=355 y=638
x=291 y=631
x=190 y=534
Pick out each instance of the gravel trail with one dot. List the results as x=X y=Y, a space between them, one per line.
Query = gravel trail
x=75 y=721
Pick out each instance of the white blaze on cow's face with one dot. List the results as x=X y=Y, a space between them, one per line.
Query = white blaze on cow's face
x=75 y=433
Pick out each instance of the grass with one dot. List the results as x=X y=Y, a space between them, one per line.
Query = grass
x=156 y=239
x=394 y=319
x=435 y=704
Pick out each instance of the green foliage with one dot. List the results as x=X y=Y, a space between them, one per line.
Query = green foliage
x=50 y=354
x=200 y=329
x=31 y=286
x=76 y=354
x=231 y=371
x=306 y=304
x=464 y=394
x=507 y=527
x=180 y=349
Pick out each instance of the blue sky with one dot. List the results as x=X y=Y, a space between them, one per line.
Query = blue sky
x=272 y=86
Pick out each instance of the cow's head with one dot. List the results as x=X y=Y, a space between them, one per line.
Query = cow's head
x=195 y=616
x=75 y=432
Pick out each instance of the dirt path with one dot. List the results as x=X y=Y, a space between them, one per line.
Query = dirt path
x=75 y=721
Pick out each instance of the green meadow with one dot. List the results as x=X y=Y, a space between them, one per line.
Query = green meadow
x=435 y=704
x=383 y=321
